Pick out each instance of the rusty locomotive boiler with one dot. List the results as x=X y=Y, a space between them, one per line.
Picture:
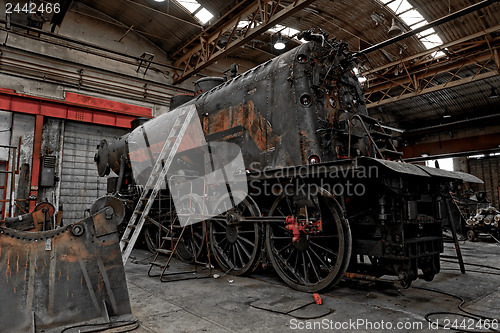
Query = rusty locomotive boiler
x=327 y=191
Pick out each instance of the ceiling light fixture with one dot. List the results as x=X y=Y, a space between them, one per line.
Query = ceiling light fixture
x=159 y=0
x=394 y=30
x=280 y=44
x=493 y=93
x=447 y=113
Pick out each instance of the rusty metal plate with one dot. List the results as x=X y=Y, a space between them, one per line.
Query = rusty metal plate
x=55 y=278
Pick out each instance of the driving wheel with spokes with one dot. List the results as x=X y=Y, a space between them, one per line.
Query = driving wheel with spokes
x=235 y=243
x=192 y=246
x=316 y=257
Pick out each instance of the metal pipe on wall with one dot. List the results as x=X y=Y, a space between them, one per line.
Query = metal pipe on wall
x=79 y=42
x=57 y=190
x=37 y=153
x=424 y=130
x=21 y=64
x=33 y=70
x=7 y=49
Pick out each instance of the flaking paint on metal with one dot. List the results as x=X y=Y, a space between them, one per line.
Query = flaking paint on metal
x=48 y=282
x=259 y=129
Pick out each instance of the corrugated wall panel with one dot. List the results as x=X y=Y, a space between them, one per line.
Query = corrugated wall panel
x=80 y=183
x=487 y=169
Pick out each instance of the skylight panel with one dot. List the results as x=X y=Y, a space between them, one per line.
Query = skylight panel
x=291 y=31
x=431 y=41
x=427 y=32
x=204 y=15
x=190 y=5
x=434 y=39
x=427 y=44
x=418 y=24
x=411 y=17
x=243 y=24
x=399 y=6
x=286 y=31
x=277 y=28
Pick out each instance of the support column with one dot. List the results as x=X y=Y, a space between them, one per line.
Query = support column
x=37 y=152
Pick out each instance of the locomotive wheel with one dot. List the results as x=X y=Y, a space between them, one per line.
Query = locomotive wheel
x=236 y=245
x=153 y=234
x=151 y=237
x=195 y=234
x=315 y=261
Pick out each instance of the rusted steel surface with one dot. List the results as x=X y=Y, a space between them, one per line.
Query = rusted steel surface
x=64 y=276
x=26 y=222
x=244 y=115
x=280 y=113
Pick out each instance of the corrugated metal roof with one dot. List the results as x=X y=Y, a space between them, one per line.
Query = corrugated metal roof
x=463 y=102
x=467 y=25
x=360 y=23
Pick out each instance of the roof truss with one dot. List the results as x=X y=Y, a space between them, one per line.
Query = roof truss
x=260 y=15
x=468 y=59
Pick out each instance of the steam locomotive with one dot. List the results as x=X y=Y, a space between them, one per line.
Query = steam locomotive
x=327 y=190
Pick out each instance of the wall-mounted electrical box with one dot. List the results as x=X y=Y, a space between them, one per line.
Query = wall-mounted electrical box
x=48 y=171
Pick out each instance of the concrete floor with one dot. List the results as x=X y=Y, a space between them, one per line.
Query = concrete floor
x=263 y=303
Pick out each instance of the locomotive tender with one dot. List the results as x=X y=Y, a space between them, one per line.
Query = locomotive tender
x=328 y=191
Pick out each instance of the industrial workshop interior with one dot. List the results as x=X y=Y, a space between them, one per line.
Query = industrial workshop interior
x=249 y=166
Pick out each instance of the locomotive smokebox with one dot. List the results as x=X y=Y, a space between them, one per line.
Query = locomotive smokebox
x=108 y=157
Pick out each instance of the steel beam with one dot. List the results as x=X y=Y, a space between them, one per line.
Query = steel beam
x=262 y=15
x=488 y=142
x=468 y=59
x=75 y=107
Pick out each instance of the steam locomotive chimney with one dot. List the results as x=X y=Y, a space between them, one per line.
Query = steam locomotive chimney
x=234 y=71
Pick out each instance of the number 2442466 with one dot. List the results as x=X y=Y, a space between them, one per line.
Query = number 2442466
x=32 y=8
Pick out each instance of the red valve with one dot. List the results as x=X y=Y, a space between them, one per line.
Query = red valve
x=296 y=231
x=297 y=226
x=293 y=227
